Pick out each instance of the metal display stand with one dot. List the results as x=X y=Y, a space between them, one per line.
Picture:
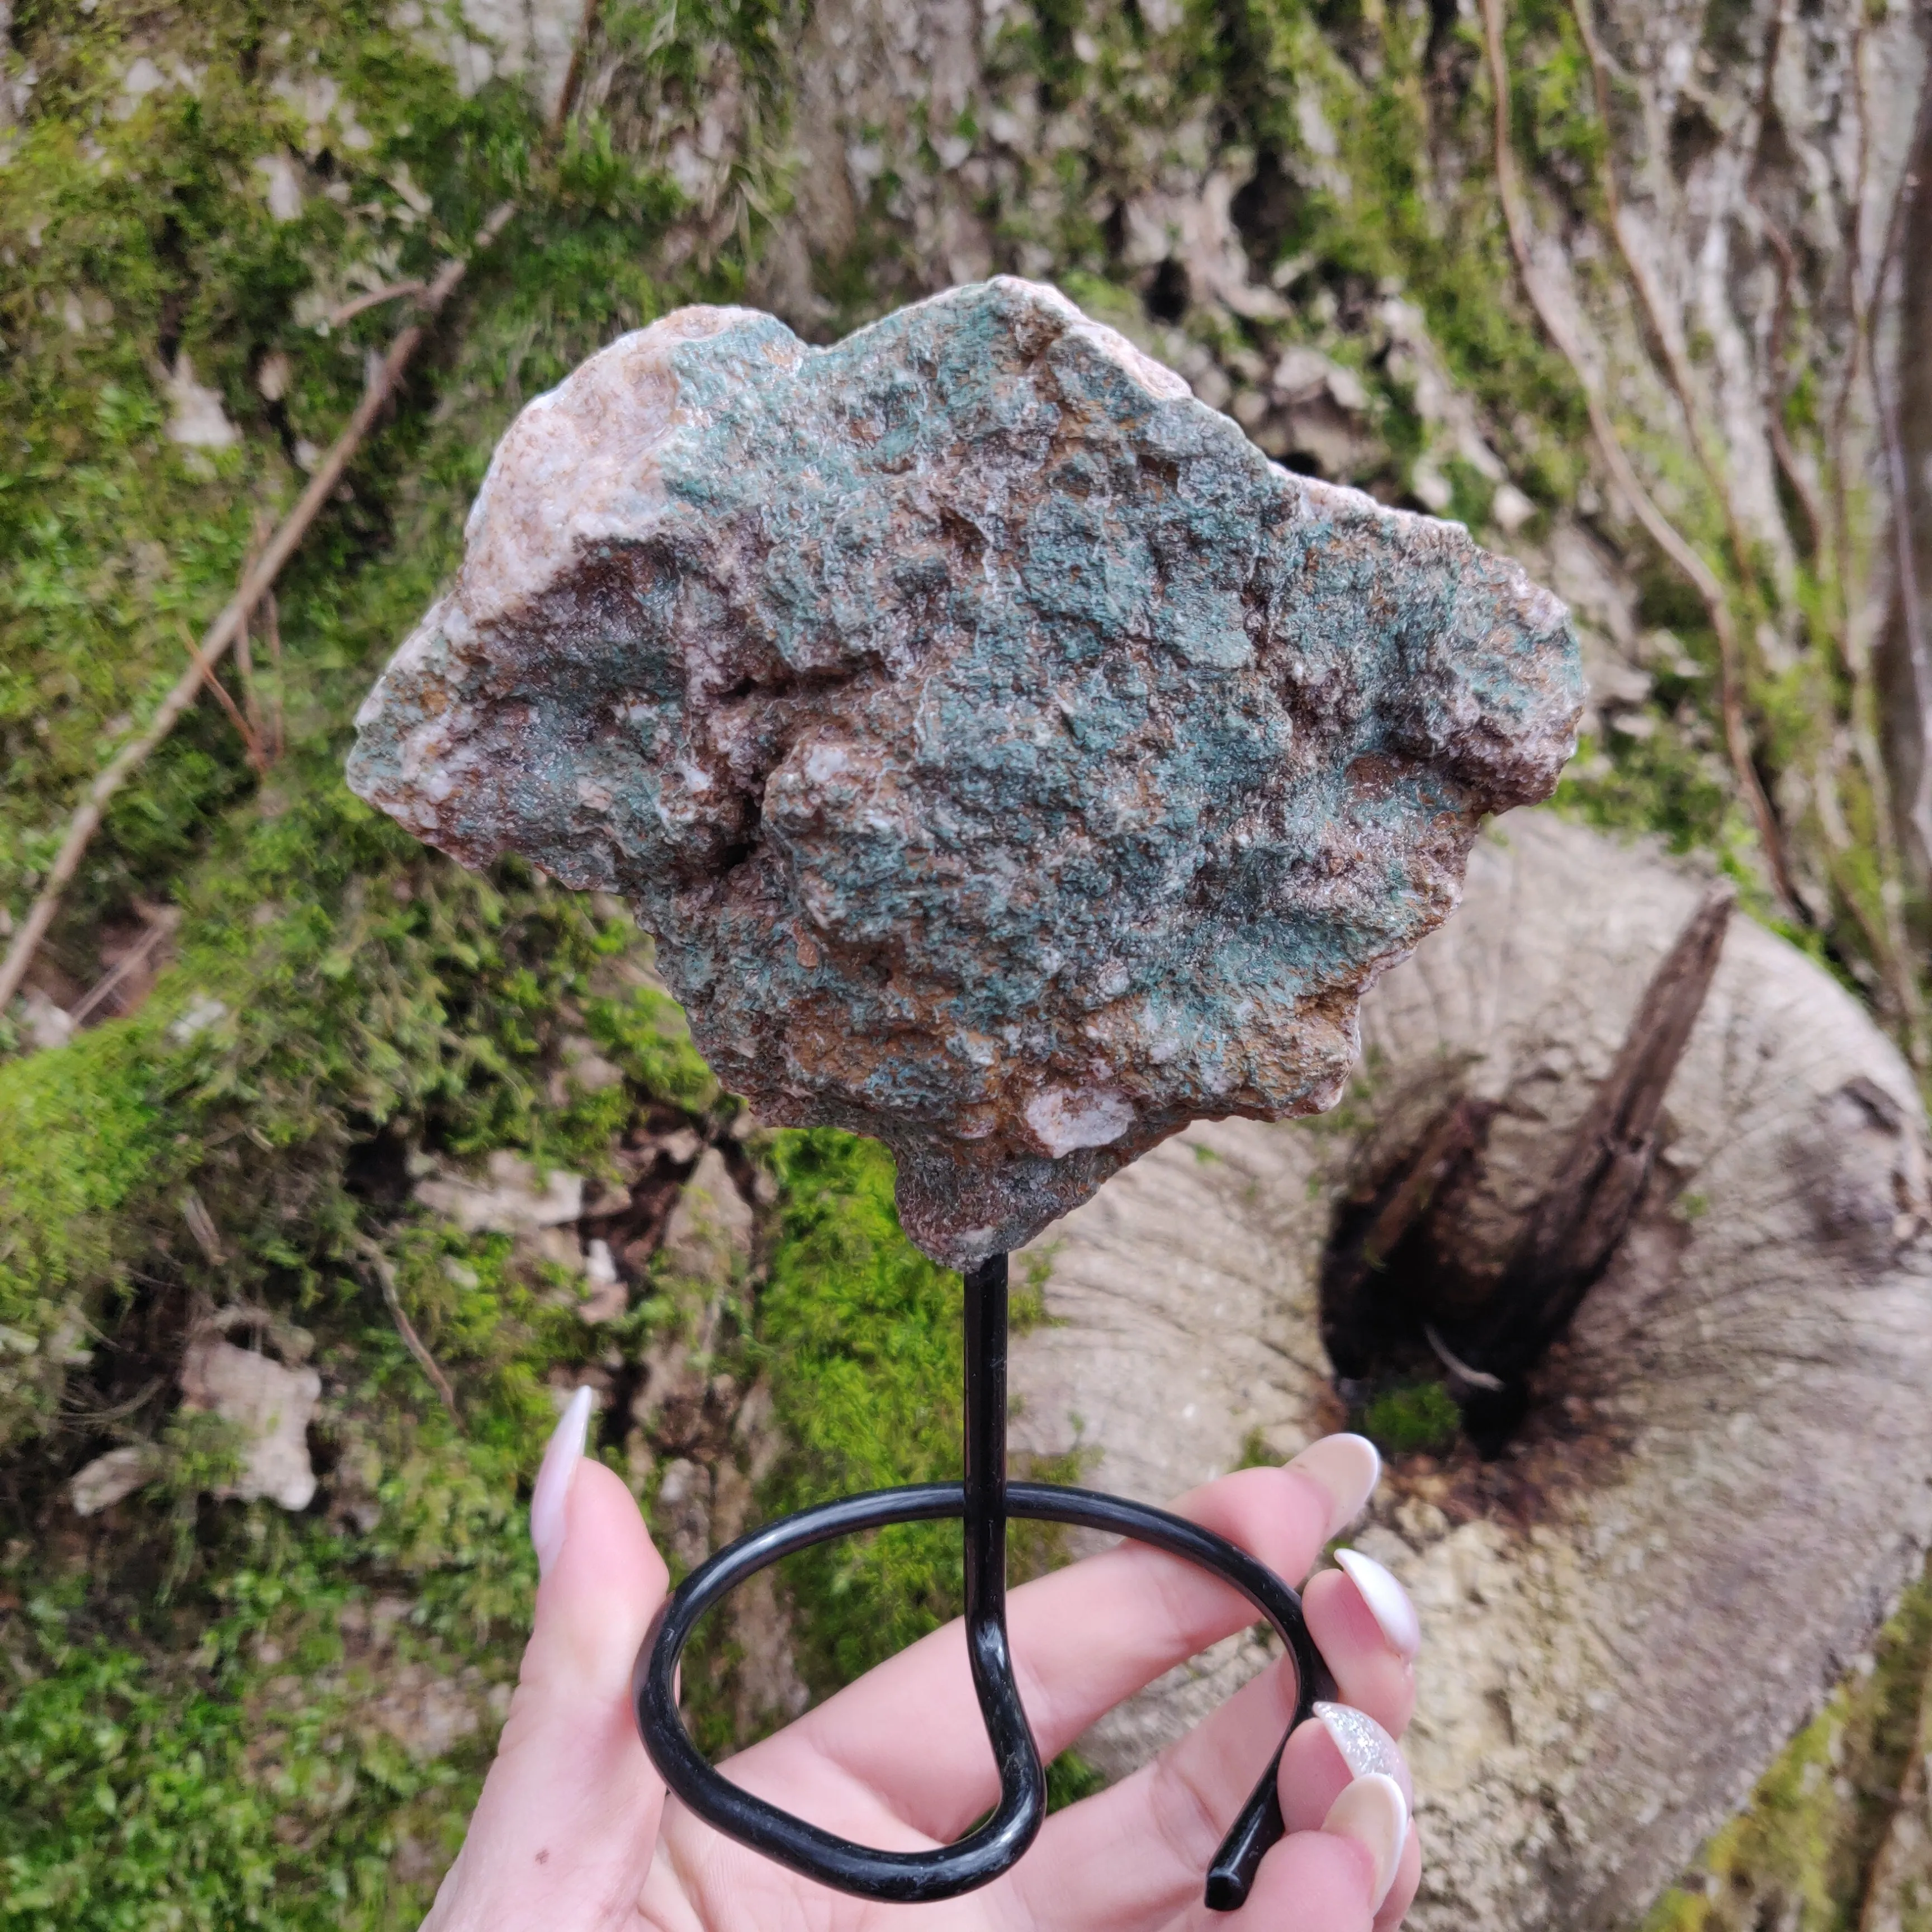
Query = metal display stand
x=985 y=1500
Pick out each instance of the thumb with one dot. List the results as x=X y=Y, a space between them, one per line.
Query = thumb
x=564 y=1832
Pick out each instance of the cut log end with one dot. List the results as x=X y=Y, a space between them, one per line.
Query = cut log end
x=1399 y=1283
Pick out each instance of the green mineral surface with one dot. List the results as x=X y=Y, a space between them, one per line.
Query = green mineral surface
x=1013 y=764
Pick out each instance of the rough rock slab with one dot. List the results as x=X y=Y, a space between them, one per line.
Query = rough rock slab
x=708 y=1237
x=1614 y=1650
x=270 y=1405
x=112 y=1478
x=513 y=1200
x=1014 y=763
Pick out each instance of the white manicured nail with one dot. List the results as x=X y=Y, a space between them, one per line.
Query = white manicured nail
x=552 y=1491
x=1387 y=1601
x=1372 y=1811
x=1348 y=1467
x=1365 y=1748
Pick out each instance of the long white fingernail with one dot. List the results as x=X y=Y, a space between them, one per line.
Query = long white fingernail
x=1366 y=1749
x=552 y=1490
x=1348 y=1467
x=1387 y=1601
x=1371 y=1811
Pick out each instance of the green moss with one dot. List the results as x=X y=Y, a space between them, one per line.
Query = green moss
x=1420 y=1417
x=1070 y=1778
x=1471 y=494
x=252 y=1783
x=861 y=1333
x=81 y=1132
x=405 y=997
x=1654 y=783
x=190 y=1732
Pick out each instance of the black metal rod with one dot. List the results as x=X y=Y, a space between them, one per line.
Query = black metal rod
x=985 y=1500
x=1022 y=1807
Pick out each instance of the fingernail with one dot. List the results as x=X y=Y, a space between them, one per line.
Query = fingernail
x=1366 y=1749
x=552 y=1490
x=1348 y=1467
x=1387 y=1601
x=1372 y=1812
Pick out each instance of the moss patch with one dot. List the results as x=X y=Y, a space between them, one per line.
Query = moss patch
x=1421 y=1418
x=1800 y=1854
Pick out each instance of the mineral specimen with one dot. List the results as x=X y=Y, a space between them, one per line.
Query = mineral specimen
x=1013 y=764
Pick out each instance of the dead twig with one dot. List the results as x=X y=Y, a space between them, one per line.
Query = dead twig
x=251 y=739
x=260 y=755
x=385 y=1275
x=573 y=78
x=267 y=614
x=373 y=298
x=92 y=1419
x=1459 y=1371
x=272 y=620
x=245 y=666
x=1662 y=532
x=160 y=924
x=201 y=1226
x=256 y=583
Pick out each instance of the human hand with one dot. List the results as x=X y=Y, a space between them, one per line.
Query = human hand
x=573 y=1832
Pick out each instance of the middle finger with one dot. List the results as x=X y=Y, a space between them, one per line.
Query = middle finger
x=1083 y=1639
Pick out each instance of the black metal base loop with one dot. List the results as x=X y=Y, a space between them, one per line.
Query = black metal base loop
x=998 y=1843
